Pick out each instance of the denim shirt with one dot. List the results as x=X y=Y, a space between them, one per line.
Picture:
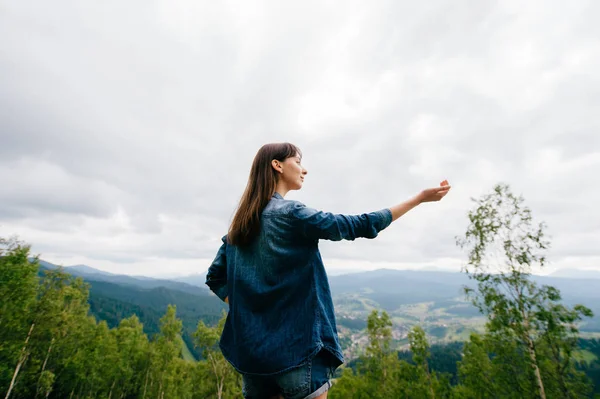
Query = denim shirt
x=280 y=306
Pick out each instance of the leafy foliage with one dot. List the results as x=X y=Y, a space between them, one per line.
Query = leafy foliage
x=50 y=346
x=526 y=322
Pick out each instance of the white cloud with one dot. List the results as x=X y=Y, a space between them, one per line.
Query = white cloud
x=127 y=129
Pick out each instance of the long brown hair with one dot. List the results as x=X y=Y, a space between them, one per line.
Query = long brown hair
x=259 y=190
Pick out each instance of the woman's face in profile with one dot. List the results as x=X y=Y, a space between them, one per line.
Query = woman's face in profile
x=293 y=173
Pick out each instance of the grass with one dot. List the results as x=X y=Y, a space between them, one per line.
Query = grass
x=185 y=351
x=585 y=355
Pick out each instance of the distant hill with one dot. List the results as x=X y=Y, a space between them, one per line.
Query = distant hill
x=412 y=286
x=576 y=273
x=393 y=289
x=410 y=296
x=116 y=297
x=114 y=302
x=198 y=280
x=44 y=264
x=91 y=274
x=83 y=269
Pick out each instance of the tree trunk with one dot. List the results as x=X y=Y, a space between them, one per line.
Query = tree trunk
x=20 y=363
x=44 y=368
x=111 y=388
x=428 y=374
x=146 y=384
x=531 y=348
x=47 y=355
x=536 y=369
x=12 y=383
x=160 y=385
x=213 y=363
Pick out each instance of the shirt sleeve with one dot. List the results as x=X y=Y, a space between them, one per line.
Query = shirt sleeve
x=315 y=224
x=216 y=278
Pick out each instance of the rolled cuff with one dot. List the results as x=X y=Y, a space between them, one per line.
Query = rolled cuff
x=386 y=217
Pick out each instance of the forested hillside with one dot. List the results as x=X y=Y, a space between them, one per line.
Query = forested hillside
x=113 y=298
x=113 y=303
x=53 y=347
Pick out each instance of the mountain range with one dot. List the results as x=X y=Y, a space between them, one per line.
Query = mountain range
x=434 y=299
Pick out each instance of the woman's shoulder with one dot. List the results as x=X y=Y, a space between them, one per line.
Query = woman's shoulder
x=284 y=207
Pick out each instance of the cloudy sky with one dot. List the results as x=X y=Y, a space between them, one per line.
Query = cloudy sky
x=127 y=128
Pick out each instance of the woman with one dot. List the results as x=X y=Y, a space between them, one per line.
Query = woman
x=280 y=333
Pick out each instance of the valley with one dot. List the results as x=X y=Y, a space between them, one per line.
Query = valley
x=433 y=300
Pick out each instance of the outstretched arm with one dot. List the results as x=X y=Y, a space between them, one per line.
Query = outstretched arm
x=315 y=224
x=427 y=195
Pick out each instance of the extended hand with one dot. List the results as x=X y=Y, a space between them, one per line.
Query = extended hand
x=436 y=193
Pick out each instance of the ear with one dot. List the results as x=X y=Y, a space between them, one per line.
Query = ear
x=277 y=166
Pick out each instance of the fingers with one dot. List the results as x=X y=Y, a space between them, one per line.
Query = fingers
x=444 y=185
x=435 y=193
x=440 y=192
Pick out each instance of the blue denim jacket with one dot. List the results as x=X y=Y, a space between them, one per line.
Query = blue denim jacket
x=280 y=306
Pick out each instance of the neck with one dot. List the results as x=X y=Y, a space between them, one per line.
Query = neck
x=282 y=189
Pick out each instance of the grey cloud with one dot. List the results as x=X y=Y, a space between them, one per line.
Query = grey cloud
x=36 y=185
x=156 y=110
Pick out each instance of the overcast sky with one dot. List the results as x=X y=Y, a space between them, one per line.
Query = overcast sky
x=127 y=128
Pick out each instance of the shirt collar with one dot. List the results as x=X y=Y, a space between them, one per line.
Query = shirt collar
x=277 y=195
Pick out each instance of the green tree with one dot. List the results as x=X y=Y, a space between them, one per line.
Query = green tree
x=18 y=289
x=379 y=370
x=559 y=339
x=220 y=374
x=381 y=363
x=101 y=370
x=351 y=385
x=134 y=361
x=78 y=361
x=504 y=246
x=420 y=350
x=58 y=314
x=496 y=366
x=167 y=348
x=45 y=383
x=475 y=370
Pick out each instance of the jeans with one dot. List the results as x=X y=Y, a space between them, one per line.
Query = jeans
x=305 y=382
